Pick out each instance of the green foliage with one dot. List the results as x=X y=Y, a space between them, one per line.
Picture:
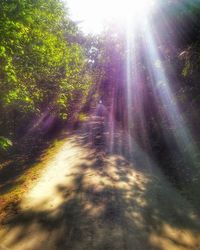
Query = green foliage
x=5 y=143
x=40 y=67
x=82 y=117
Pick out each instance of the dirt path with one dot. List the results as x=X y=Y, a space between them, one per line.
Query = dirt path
x=89 y=200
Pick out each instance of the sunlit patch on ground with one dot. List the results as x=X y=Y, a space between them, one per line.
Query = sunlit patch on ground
x=55 y=175
x=170 y=238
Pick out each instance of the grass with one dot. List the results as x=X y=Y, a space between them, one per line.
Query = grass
x=82 y=117
x=31 y=174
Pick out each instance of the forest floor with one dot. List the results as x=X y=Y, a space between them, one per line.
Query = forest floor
x=81 y=195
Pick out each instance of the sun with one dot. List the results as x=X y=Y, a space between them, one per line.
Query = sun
x=93 y=14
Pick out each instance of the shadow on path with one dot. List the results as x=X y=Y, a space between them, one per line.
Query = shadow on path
x=89 y=199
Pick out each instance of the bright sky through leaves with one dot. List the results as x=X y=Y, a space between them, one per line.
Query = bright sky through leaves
x=92 y=14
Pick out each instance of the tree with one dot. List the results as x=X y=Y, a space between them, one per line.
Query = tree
x=42 y=69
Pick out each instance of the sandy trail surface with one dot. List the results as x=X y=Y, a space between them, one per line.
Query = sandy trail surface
x=89 y=199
